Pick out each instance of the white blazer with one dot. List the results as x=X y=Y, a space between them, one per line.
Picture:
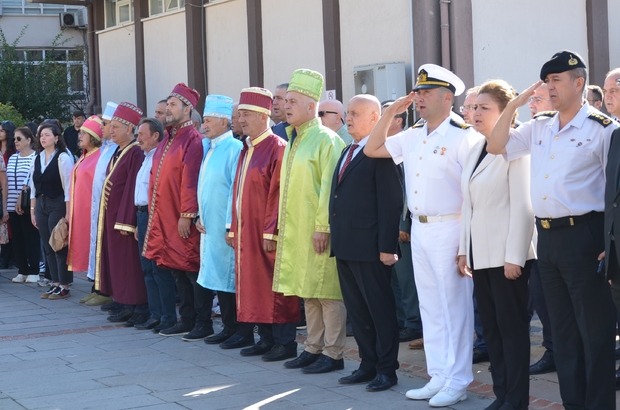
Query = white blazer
x=497 y=211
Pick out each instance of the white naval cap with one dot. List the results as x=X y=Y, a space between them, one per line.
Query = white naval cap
x=434 y=76
x=109 y=110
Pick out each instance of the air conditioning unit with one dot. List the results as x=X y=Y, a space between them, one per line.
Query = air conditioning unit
x=72 y=20
x=385 y=81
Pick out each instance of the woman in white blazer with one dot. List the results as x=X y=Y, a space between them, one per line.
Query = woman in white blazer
x=496 y=249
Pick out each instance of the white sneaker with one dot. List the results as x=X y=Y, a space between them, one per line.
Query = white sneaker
x=44 y=282
x=424 y=393
x=19 y=278
x=446 y=397
x=32 y=279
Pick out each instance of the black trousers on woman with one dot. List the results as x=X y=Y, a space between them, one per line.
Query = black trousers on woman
x=47 y=214
x=26 y=243
x=502 y=304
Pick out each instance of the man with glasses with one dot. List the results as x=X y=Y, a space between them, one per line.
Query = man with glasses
x=469 y=106
x=611 y=90
x=595 y=96
x=540 y=101
x=331 y=113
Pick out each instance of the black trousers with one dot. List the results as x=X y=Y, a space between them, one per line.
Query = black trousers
x=228 y=307
x=196 y=301
x=502 y=304
x=26 y=243
x=277 y=333
x=538 y=303
x=582 y=313
x=369 y=299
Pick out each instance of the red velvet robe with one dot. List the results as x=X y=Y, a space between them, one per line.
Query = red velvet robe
x=256 y=196
x=118 y=271
x=173 y=194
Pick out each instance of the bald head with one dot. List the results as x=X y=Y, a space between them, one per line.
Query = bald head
x=332 y=114
x=363 y=112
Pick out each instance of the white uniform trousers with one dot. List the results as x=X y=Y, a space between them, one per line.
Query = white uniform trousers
x=446 y=305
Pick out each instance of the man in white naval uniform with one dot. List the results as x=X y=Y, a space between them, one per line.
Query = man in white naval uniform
x=433 y=154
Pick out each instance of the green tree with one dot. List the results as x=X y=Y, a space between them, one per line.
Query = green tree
x=37 y=89
x=8 y=112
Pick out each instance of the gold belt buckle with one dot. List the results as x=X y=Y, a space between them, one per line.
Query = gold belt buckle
x=545 y=223
x=423 y=219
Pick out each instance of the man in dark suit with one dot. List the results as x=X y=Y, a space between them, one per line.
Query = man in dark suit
x=365 y=205
x=612 y=223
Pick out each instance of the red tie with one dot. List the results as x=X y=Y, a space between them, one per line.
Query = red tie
x=352 y=149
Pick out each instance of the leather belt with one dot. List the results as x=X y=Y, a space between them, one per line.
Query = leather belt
x=566 y=221
x=142 y=208
x=441 y=218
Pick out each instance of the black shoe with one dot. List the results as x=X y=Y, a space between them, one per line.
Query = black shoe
x=480 y=356
x=542 y=366
x=177 y=330
x=281 y=352
x=358 y=376
x=408 y=334
x=110 y=306
x=218 y=338
x=237 y=341
x=121 y=316
x=137 y=319
x=382 y=382
x=349 y=330
x=199 y=332
x=496 y=405
x=162 y=326
x=324 y=364
x=258 y=349
x=149 y=324
x=303 y=360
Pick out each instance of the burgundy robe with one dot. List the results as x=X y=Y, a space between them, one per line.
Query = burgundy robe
x=256 y=196
x=173 y=191
x=118 y=272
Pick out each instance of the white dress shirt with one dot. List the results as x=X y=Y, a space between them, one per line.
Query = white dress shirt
x=433 y=165
x=141 y=194
x=567 y=166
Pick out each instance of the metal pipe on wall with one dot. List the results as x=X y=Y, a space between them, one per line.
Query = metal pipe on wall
x=444 y=11
x=92 y=65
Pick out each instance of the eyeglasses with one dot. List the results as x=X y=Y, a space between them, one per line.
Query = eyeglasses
x=467 y=108
x=19 y=139
x=322 y=113
x=537 y=100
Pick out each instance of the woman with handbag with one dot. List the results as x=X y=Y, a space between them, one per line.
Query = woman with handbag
x=25 y=240
x=50 y=177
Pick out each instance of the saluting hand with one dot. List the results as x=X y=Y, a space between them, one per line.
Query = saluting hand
x=523 y=98
x=400 y=105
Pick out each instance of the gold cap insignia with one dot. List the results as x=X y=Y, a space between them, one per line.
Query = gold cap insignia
x=422 y=76
x=572 y=60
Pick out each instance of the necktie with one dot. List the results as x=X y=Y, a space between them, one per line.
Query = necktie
x=352 y=149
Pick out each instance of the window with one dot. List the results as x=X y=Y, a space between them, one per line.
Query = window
x=26 y=7
x=162 y=6
x=118 y=12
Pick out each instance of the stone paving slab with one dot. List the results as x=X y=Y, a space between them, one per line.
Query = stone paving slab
x=107 y=366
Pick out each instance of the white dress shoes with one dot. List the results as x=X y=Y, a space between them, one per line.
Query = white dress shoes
x=447 y=396
x=424 y=393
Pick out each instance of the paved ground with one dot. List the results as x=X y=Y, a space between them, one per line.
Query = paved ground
x=63 y=355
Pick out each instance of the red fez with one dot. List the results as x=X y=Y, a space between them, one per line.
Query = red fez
x=256 y=99
x=188 y=95
x=128 y=114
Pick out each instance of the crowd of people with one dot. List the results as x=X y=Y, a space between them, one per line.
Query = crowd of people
x=342 y=217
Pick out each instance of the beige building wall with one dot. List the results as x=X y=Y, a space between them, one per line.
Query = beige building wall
x=117 y=53
x=165 y=54
x=292 y=39
x=613 y=10
x=227 y=48
x=364 y=27
x=512 y=40
x=41 y=31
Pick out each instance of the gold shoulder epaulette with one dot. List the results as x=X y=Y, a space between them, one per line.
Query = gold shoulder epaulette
x=419 y=123
x=600 y=118
x=460 y=125
x=547 y=114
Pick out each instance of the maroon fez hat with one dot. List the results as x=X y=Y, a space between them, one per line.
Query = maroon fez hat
x=188 y=95
x=256 y=99
x=128 y=114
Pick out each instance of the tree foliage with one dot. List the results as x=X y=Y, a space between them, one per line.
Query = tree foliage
x=8 y=112
x=37 y=89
